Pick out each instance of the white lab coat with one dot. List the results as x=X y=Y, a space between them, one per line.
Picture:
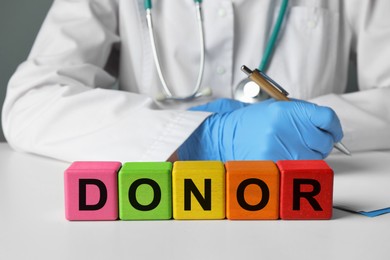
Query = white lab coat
x=62 y=102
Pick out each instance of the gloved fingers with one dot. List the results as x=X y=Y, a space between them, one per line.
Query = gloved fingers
x=221 y=105
x=273 y=143
x=326 y=119
x=309 y=143
x=293 y=124
x=319 y=141
x=320 y=128
x=279 y=148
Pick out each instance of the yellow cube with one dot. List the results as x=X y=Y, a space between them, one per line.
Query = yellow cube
x=198 y=190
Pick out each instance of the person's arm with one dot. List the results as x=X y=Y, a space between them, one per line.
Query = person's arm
x=365 y=115
x=60 y=103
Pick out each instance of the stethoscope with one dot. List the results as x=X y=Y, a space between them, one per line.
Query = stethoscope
x=246 y=90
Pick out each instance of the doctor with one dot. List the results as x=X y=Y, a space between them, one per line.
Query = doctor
x=63 y=101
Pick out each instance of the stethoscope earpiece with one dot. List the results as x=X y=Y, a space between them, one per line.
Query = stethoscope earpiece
x=160 y=97
x=206 y=92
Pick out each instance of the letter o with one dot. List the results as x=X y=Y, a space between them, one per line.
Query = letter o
x=133 y=198
x=241 y=199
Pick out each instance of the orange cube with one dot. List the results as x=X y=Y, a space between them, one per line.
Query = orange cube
x=252 y=190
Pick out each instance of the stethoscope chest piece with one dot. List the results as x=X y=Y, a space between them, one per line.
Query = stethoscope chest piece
x=249 y=92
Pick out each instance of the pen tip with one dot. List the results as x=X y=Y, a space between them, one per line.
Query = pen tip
x=342 y=148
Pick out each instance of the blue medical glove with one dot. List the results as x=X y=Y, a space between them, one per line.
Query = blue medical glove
x=221 y=105
x=269 y=130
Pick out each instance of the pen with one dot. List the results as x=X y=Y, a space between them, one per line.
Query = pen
x=278 y=93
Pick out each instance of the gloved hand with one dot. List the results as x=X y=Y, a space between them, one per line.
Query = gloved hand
x=221 y=105
x=269 y=130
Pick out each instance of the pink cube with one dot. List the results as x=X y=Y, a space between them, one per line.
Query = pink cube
x=91 y=191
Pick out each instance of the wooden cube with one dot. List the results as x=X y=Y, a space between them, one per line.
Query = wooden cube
x=91 y=191
x=198 y=189
x=145 y=190
x=306 y=189
x=252 y=190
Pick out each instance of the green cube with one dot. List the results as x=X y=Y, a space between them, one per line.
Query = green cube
x=145 y=190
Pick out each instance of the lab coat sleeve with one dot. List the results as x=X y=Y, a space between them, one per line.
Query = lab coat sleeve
x=59 y=102
x=365 y=114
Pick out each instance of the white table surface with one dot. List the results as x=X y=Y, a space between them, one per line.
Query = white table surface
x=33 y=226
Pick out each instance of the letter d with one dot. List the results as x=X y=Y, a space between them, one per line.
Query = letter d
x=83 y=194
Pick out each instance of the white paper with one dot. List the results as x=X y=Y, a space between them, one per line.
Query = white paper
x=361 y=181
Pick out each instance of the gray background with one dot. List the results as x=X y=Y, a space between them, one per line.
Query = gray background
x=20 y=21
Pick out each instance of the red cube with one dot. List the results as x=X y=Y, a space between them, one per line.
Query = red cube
x=306 y=188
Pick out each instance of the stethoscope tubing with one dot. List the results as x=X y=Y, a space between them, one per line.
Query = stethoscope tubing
x=168 y=95
x=273 y=38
